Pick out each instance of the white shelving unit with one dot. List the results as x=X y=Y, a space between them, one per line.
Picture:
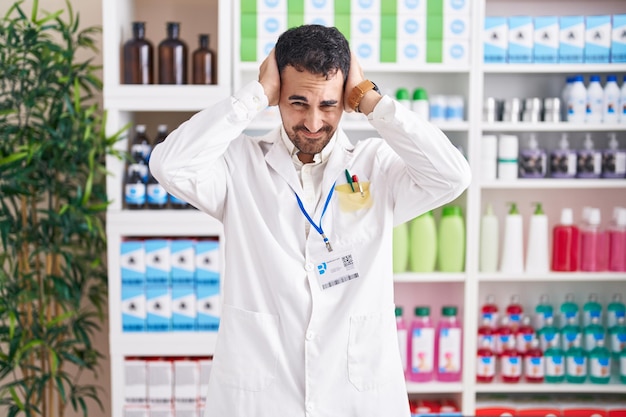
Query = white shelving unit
x=154 y=104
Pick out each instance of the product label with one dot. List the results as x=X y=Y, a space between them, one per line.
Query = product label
x=600 y=367
x=569 y=338
x=524 y=341
x=501 y=341
x=135 y=194
x=576 y=365
x=614 y=162
x=156 y=194
x=618 y=342
x=511 y=366
x=589 y=163
x=555 y=366
x=487 y=338
x=534 y=367
x=622 y=366
x=485 y=366
x=422 y=350
x=563 y=163
x=449 y=351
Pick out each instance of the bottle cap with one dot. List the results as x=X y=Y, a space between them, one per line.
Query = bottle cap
x=532 y=142
x=538 y=209
x=567 y=216
x=594 y=216
x=513 y=209
x=611 y=77
x=422 y=311
x=448 y=311
x=140 y=128
x=489 y=211
x=402 y=94
x=594 y=78
x=588 y=142
x=162 y=128
x=451 y=211
x=620 y=220
x=564 y=143
x=420 y=94
x=398 y=311
x=613 y=143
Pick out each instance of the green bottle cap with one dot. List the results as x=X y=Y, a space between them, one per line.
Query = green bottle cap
x=451 y=211
x=538 y=209
x=513 y=209
x=422 y=311
x=398 y=311
x=402 y=94
x=420 y=94
x=448 y=311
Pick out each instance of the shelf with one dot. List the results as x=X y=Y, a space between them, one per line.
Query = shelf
x=429 y=277
x=552 y=127
x=163 y=97
x=164 y=344
x=189 y=222
x=549 y=183
x=433 y=387
x=613 y=388
x=385 y=68
x=553 y=68
x=554 y=277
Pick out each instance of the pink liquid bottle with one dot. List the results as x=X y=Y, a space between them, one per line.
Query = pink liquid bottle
x=485 y=363
x=504 y=333
x=514 y=312
x=617 y=241
x=421 y=347
x=448 y=345
x=403 y=342
x=534 y=363
x=592 y=244
x=487 y=333
x=510 y=363
x=489 y=311
x=565 y=243
x=524 y=335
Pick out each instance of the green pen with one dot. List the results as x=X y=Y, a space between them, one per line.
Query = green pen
x=349 y=178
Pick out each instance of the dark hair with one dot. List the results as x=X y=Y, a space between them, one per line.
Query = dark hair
x=314 y=48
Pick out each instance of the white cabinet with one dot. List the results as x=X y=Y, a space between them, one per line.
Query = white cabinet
x=155 y=104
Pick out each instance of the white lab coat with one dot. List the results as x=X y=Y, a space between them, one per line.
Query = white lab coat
x=286 y=347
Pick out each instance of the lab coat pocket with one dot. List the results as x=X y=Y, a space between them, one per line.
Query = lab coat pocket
x=247 y=349
x=353 y=200
x=371 y=351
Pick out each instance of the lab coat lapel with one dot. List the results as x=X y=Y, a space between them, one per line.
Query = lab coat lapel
x=338 y=160
x=278 y=158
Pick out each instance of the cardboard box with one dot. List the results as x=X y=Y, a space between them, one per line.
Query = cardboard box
x=598 y=39
x=496 y=40
x=546 y=40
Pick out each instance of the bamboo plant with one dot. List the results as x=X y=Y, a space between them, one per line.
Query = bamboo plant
x=52 y=204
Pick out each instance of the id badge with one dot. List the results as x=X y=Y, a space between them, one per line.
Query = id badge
x=336 y=267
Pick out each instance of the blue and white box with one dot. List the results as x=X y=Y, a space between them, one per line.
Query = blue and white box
x=184 y=310
x=571 y=39
x=365 y=26
x=183 y=261
x=546 y=45
x=325 y=7
x=598 y=39
x=411 y=52
x=521 y=39
x=371 y=7
x=455 y=6
x=496 y=40
x=159 y=308
x=133 y=262
x=208 y=262
x=455 y=52
x=411 y=27
x=618 y=38
x=133 y=308
x=209 y=307
x=271 y=6
x=158 y=266
x=411 y=7
x=456 y=26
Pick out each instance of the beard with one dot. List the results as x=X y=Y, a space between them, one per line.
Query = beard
x=310 y=146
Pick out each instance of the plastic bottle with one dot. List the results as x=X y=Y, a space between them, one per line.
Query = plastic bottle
x=575 y=364
x=600 y=364
x=622 y=99
x=534 y=363
x=592 y=333
x=592 y=308
x=420 y=103
x=489 y=311
x=421 y=346
x=595 y=100
x=138 y=57
x=569 y=310
x=611 y=102
x=565 y=243
x=589 y=160
x=486 y=333
x=156 y=196
x=451 y=240
x=548 y=334
x=514 y=311
x=617 y=337
x=510 y=363
x=178 y=203
x=489 y=247
x=140 y=148
x=537 y=249
x=543 y=310
x=508 y=157
x=563 y=161
x=613 y=159
x=504 y=334
x=565 y=96
x=403 y=342
x=402 y=96
x=161 y=135
x=449 y=346
x=134 y=189
x=423 y=243
x=555 y=363
x=204 y=68
x=622 y=366
x=485 y=363
x=512 y=251
x=533 y=160
x=593 y=244
x=617 y=242
x=172 y=53
x=524 y=335
x=615 y=310
x=577 y=101
x=571 y=334
x=400 y=248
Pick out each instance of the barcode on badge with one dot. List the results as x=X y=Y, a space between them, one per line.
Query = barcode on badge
x=340 y=280
x=347 y=260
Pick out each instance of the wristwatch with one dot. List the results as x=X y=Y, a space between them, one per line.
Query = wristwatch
x=357 y=93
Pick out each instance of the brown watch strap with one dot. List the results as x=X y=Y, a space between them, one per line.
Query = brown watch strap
x=357 y=93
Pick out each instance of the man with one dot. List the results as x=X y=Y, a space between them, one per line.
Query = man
x=307 y=325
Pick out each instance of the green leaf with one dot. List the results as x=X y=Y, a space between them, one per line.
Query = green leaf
x=13 y=158
x=16 y=398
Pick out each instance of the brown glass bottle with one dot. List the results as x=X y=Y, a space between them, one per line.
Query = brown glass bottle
x=204 y=62
x=138 y=57
x=173 y=57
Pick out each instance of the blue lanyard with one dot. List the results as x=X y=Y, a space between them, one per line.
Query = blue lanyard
x=318 y=227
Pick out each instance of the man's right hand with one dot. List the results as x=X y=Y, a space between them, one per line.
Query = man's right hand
x=269 y=77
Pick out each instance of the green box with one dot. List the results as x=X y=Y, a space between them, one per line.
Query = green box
x=295 y=6
x=295 y=19
x=342 y=22
x=248 y=25
x=247 y=49
x=434 y=51
x=434 y=7
x=388 y=50
x=388 y=26
x=434 y=26
x=248 y=6
x=388 y=7
x=342 y=7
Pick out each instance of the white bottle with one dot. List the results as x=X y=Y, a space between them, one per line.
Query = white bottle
x=537 y=251
x=595 y=100
x=512 y=261
x=611 y=103
x=565 y=96
x=420 y=103
x=508 y=153
x=622 y=101
x=489 y=233
x=577 y=101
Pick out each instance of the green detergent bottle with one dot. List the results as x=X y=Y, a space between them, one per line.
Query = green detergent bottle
x=423 y=243
x=568 y=309
x=592 y=333
x=591 y=309
x=600 y=364
x=400 y=248
x=571 y=333
x=555 y=363
x=617 y=337
x=622 y=366
x=614 y=310
x=451 y=240
x=576 y=364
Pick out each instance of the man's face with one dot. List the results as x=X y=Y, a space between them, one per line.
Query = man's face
x=310 y=107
